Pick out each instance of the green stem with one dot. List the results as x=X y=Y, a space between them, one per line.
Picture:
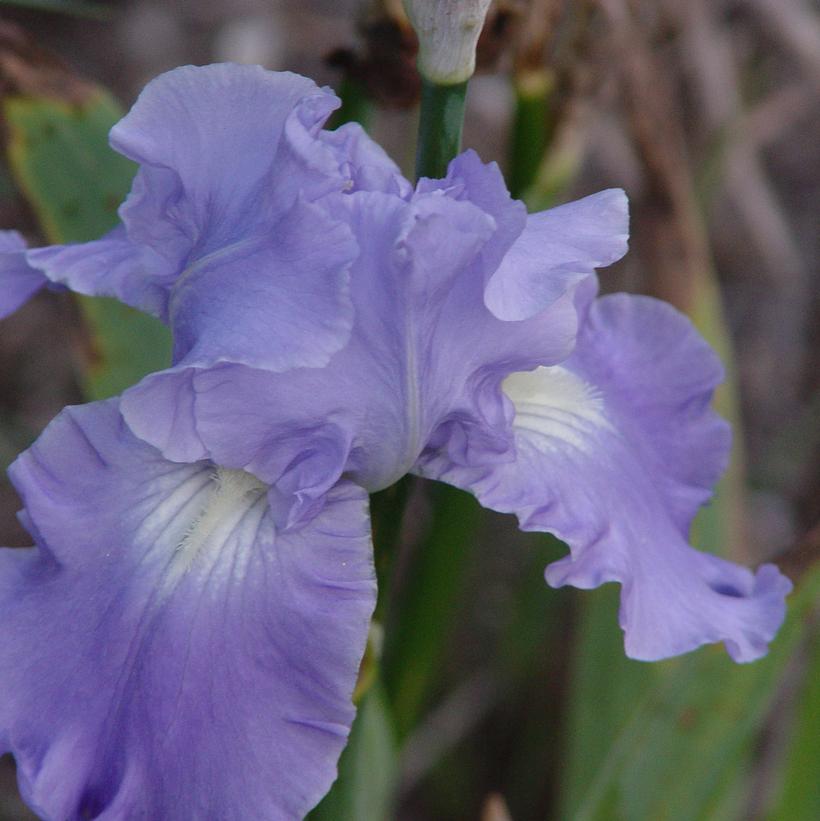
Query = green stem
x=356 y=106
x=421 y=613
x=440 y=125
x=387 y=515
x=532 y=128
x=417 y=615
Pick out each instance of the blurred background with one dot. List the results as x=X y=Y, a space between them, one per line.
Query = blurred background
x=499 y=698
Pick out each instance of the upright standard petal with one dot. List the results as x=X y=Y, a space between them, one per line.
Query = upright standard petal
x=424 y=359
x=18 y=280
x=223 y=150
x=220 y=235
x=269 y=304
x=166 y=652
x=470 y=180
x=557 y=249
x=364 y=162
x=615 y=450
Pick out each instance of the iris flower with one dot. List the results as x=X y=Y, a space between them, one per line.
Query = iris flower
x=184 y=637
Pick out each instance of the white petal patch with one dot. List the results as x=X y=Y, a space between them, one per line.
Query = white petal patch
x=211 y=510
x=556 y=404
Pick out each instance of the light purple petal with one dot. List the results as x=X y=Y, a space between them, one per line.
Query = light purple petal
x=469 y=179
x=166 y=653
x=237 y=415
x=294 y=433
x=364 y=161
x=11 y=241
x=271 y=305
x=223 y=149
x=556 y=250
x=112 y=266
x=659 y=375
x=222 y=234
x=18 y=280
x=424 y=359
x=615 y=450
x=230 y=158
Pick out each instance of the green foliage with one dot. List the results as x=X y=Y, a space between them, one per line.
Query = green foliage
x=799 y=795
x=367 y=768
x=60 y=158
x=672 y=740
x=669 y=740
x=420 y=615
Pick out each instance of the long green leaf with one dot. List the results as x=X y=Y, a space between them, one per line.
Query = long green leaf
x=597 y=726
x=367 y=768
x=59 y=155
x=799 y=798
x=421 y=614
x=685 y=742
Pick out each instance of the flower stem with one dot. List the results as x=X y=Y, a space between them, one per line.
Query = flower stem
x=355 y=108
x=440 y=125
x=532 y=127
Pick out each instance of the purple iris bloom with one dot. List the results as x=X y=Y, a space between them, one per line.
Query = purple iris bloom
x=184 y=639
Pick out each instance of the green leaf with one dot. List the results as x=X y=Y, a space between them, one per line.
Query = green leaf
x=130 y=345
x=799 y=798
x=367 y=768
x=684 y=688
x=604 y=684
x=59 y=156
x=420 y=615
x=685 y=734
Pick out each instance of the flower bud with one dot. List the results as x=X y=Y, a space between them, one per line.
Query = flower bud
x=448 y=31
